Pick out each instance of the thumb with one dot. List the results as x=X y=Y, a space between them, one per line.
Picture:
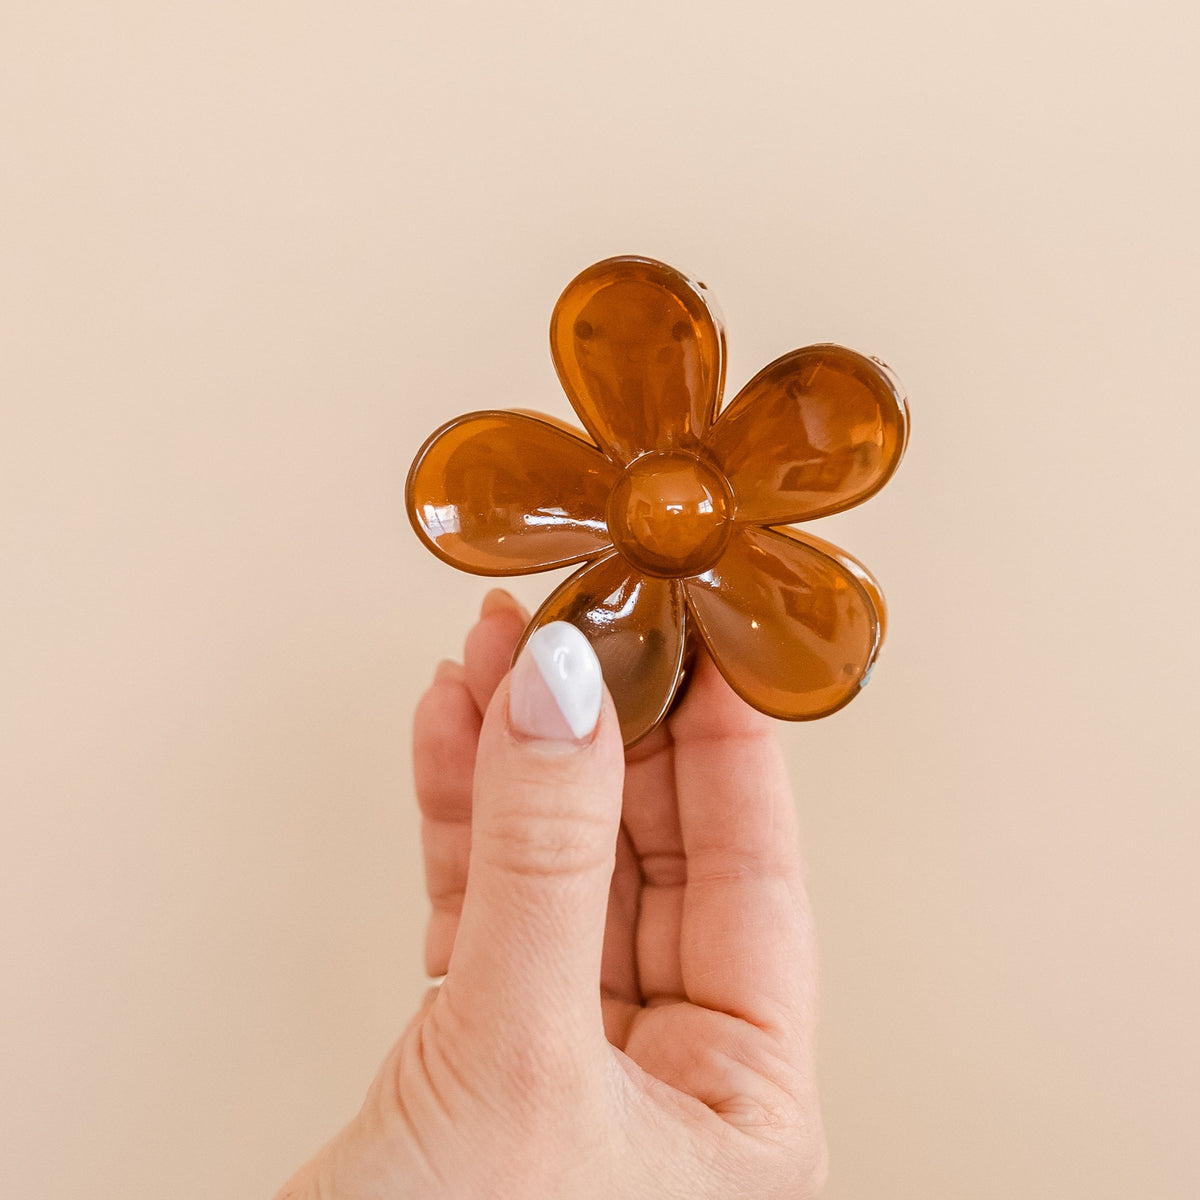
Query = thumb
x=547 y=808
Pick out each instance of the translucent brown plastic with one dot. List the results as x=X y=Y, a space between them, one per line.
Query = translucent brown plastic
x=640 y=355
x=671 y=507
x=671 y=514
x=770 y=592
x=635 y=624
x=816 y=432
x=504 y=493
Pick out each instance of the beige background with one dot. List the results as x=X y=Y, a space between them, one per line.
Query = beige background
x=252 y=253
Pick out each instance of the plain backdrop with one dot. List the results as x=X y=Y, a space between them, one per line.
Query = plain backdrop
x=252 y=253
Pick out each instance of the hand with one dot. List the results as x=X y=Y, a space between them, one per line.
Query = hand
x=628 y=1008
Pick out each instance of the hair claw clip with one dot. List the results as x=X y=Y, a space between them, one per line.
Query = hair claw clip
x=679 y=516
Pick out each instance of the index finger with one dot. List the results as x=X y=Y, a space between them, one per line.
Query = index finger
x=746 y=943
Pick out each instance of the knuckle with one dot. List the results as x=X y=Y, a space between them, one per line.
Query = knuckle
x=720 y=864
x=665 y=868
x=543 y=843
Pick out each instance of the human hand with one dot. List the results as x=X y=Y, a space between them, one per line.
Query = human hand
x=629 y=999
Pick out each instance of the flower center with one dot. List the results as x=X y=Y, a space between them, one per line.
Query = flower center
x=669 y=514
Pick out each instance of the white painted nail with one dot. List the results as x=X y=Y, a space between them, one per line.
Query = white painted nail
x=556 y=686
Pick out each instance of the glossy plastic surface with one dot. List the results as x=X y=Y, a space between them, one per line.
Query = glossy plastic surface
x=672 y=511
x=671 y=514
x=640 y=355
x=504 y=493
x=635 y=624
x=792 y=630
x=816 y=432
x=852 y=566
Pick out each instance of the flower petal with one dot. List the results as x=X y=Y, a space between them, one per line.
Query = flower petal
x=817 y=431
x=506 y=493
x=850 y=563
x=636 y=627
x=792 y=629
x=640 y=354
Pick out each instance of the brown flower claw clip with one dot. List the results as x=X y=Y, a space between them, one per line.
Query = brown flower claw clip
x=674 y=511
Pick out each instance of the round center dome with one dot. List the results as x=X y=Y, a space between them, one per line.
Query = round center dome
x=670 y=514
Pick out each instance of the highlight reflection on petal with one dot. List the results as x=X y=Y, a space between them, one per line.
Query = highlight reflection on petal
x=636 y=627
x=640 y=355
x=504 y=493
x=791 y=628
x=815 y=432
x=853 y=566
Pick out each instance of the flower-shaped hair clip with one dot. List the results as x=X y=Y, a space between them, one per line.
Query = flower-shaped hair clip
x=677 y=513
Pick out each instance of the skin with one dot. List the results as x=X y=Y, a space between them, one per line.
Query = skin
x=628 y=1007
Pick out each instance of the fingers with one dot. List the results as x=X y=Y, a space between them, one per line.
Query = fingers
x=445 y=734
x=491 y=643
x=526 y=961
x=651 y=818
x=618 y=965
x=746 y=942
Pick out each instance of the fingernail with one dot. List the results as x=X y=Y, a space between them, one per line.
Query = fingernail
x=498 y=600
x=448 y=670
x=556 y=686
